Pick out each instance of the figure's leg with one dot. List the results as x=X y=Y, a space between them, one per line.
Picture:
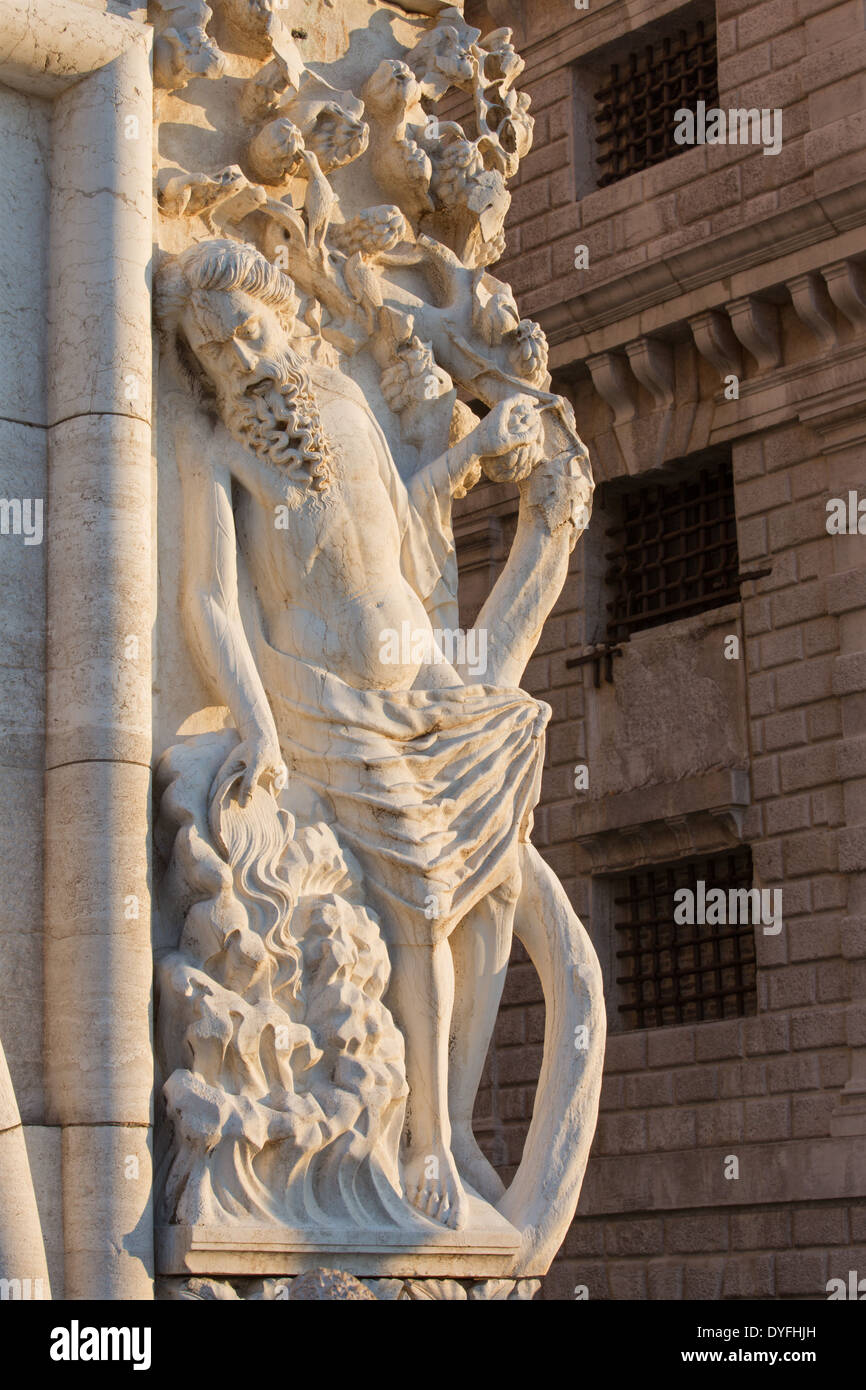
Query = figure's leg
x=481 y=946
x=541 y=1198
x=421 y=997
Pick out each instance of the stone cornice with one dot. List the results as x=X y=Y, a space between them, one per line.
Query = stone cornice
x=742 y=261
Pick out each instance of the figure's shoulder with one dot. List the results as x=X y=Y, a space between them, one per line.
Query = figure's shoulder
x=345 y=410
x=330 y=381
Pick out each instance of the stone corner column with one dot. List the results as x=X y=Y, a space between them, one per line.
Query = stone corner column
x=98 y=961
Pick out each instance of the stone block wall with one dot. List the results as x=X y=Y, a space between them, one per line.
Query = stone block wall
x=718 y=261
x=806 y=58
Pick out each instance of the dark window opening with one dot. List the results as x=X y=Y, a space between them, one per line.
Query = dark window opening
x=671 y=972
x=637 y=104
x=675 y=550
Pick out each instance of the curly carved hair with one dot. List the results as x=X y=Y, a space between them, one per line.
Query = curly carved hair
x=216 y=264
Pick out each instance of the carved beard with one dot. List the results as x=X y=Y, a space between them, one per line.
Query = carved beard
x=278 y=419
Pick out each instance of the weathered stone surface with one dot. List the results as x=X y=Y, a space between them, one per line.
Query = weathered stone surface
x=319 y=1285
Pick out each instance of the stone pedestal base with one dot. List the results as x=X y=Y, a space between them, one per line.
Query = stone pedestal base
x=485 y=1249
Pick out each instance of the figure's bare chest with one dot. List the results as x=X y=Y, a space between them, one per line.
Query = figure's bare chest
x=286 y=523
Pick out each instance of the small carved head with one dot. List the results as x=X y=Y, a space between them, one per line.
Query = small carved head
x=528 y=352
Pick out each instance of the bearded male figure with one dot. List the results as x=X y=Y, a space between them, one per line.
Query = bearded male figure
x=428 y=778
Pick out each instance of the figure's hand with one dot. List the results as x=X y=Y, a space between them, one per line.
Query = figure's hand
x=511 y=439
x=509 y=424
x=253 y=760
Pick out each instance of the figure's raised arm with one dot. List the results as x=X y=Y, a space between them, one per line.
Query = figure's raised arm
x=555 y=504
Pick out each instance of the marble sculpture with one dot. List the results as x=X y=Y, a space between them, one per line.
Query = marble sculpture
x=344 y=863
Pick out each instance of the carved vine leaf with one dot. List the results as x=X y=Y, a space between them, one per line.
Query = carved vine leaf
x=436 y=1289
x=259 y=27
x=448 y=191
x=331 y=1285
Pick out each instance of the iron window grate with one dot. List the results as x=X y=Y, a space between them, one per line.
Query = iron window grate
x=637 y=104
x=676 y=551
x=676 y=972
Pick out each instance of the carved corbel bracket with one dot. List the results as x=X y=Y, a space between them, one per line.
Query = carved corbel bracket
x=614 y=381
x=652 y=362
x=756 y=324
x=715 y=340
x=847 y=288
x=814 y=307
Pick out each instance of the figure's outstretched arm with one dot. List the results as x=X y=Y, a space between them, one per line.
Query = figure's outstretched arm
x=210 y=602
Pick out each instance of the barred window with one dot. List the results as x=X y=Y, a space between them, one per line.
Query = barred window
x=636 y=105
x=675 y=551
x=671 y=971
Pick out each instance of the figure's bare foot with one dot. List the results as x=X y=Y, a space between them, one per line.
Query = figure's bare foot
x=432 y=1185
x=476 y=1169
